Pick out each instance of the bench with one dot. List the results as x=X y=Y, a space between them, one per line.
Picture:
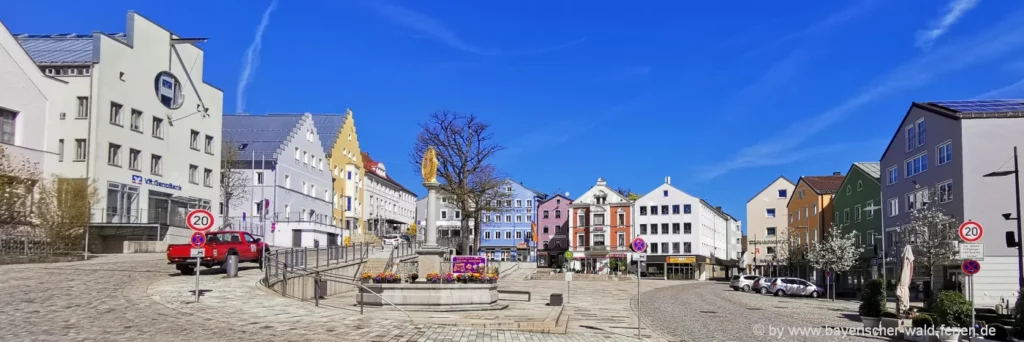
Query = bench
x=527 y=293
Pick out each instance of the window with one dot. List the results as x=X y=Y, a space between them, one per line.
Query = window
x=675 y=248
x=916 y=199
x=545 y=229
x=115 y=114
x=622 y=219
x=508 y=235
x=305 y=157
x=783 y=193
x=643 y=211
x=860 y=185
x=769 y=250
x=193 y=140
x=664 y=228
x=686 y=208
x=158 y=128
x=80 y=149
x=83 y=108
x=643 y=229
x=298 y=155
x=664 y=193
x=288 y=181
x=893 y=173
x=849 y=189
x=581 y=240
x=916 y=165
x=508 y=203
x=7 y=126
x=133 y=159
x=348 y=175
x=60 y=150
x=487 y=235
x=193 y=174
x=894 y=207
x=598 y=220
x=458 y=214
x=770 y=231
x=945 y=152
x=686 y=248
x=519 y=218
x=654 y=229
x=664 y=210
x=486 y=218
x=654 y=248
x=544 y=214
x=871 y=212
x=114 y=155
x=136 y=124
x=444 y=214
x=675 y=208
x=529 y=203
x=911 y=137
x=620 y=239
x=858 y=213
x=920 y=132
x=675 y=228
x=207 y=174
x=814 y=209
x=654 y=210
x=945 y=191
x=209 y=144
x=558 y=214
x=519 y=235
x=770 y=212
x=519 y=203
x=508 y=218
x=497 y=218
x=156 y=166
x=687 y=228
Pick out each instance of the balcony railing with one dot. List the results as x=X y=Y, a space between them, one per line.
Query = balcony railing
x=118 y=216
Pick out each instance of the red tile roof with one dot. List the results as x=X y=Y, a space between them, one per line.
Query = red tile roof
x=371 y=167
x=824 y=184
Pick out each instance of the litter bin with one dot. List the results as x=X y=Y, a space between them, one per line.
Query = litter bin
x=556 y=299
x=231 y=266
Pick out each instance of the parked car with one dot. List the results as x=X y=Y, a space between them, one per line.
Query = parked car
x=795 y=287
x=742 y=282
x=391 y=239
x=762 y=284
x=219 y=245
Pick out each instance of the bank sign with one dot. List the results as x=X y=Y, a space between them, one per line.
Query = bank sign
x=137 y=179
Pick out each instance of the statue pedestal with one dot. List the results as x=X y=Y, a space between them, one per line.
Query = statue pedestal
x=429 y=260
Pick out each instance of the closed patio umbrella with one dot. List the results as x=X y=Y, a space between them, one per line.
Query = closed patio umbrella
x=906 y=273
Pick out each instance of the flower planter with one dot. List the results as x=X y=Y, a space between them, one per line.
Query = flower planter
x=891 y=322
x=949 y=334
x=871 y=322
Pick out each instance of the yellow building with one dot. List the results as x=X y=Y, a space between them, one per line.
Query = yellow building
x=341 y=143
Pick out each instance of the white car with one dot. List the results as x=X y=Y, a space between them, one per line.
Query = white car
x=391 y=239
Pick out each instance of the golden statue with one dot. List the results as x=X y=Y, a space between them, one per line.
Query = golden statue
x=429 y=165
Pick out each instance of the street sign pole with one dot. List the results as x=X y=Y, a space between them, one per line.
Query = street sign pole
x=639 y=326
x=197 y=278
x=973 y=323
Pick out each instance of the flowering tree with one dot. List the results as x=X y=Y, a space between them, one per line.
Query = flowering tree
x=838 y=252
x=789 y=250
x=18 y=179
x=933 y=236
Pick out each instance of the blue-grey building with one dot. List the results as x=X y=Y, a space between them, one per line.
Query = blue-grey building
x=508 y=234
x=948 y=147
x=289 y=191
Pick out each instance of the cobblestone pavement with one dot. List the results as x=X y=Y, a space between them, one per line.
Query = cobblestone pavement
x=712 y=311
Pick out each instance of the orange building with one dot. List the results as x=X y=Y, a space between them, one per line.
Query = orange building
x=600 y=228
x=810 y=209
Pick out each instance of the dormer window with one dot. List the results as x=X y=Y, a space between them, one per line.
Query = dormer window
x=508 y=188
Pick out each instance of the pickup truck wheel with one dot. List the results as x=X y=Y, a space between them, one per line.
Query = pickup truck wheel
x=186 y=270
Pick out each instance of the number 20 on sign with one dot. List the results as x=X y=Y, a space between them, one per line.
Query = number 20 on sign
x=199 y=220
x=971 y=231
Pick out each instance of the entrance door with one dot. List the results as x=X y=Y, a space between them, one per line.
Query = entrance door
x=296 y=238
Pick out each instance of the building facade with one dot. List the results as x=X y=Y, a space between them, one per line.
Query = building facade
x=767 y=220
x=341 y=144
x=132 y=103
x=390 y=208
x=553 y=230
x=601 y=223
x=948 y=147
x=291 y=183
x=810 y=211
x=508 y=232
x=449 y=223
x=669 y=220
x=851 y=205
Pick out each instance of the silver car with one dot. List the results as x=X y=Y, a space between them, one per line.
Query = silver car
x=794 y=287
x=762 y=284
x=742 y=282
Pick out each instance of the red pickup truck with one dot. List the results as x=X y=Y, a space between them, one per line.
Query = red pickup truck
x=219 y=245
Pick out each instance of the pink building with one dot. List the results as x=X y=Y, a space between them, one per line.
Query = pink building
x=553 y=230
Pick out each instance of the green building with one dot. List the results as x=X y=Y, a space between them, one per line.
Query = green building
x=860 y=191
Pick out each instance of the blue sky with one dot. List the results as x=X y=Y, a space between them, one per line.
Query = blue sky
x=721 y=97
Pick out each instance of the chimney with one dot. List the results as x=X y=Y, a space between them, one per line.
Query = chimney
x=837 y=173
x=718 y=208
x=668 y=180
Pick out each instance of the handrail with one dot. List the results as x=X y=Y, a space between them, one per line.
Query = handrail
x=356 y=282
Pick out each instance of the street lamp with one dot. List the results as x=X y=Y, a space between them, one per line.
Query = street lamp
x=1014 y=241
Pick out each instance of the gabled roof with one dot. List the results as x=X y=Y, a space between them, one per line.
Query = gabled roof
x=258 y=134
x=872 y=169
x=371 y=167
x=822 y=185
x=539 y=194
x=63 y=48
x=549 y=198
x=964 y=109
x=770 y=184
x=328 y=126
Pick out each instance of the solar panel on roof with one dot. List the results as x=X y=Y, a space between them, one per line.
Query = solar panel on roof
x=983 y=106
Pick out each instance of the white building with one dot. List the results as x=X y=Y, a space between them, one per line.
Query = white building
x=389 y=207
x=292 y=191
x=767 y=220
x=134 y=101
x=28 y=98
x=448 y=222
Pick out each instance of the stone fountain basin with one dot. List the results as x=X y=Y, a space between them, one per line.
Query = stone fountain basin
x=431 y=297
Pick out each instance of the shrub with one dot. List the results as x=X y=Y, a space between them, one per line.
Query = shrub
x=922 y=321
x=413 y=277
x=1018 y=315
x=952 y=309
x=873 y=300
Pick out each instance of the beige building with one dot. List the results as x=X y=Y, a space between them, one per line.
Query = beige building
x=767 y=221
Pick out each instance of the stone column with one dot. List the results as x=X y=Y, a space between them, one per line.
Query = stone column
x=430 y=254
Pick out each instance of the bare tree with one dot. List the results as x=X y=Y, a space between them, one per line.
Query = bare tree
x=465 y=147
x=629 y=194
x=556 y=192
x=63 y=210
x=235 y=183
x=18 y=179
x=932 y=235
x=789 y=250
x=488 y=196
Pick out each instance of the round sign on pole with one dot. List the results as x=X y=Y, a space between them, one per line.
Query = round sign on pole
x=198 y=239
x=639 y=245
x=757 y=250
x=199 y=220
x=568 y=254
x=971 y=231
x=970 y=267
x=828 y=274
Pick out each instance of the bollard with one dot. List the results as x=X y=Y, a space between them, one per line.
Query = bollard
x=231 y=265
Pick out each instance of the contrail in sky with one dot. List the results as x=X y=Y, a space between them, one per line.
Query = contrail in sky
x=252 y=58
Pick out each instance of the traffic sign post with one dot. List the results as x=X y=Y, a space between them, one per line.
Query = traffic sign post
x=639 y=245
x=199 y=220
x=974 y=251
x=198 y=253
x=198 y=239
x=971 y=231
x=970 y=268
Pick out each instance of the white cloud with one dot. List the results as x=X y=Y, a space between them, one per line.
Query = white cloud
x=252 y=58
x=1004 y=37
x=953 y=12
x=1014 y=90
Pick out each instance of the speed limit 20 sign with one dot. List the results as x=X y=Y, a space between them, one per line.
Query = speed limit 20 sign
x=199 y=220
x=971 y=231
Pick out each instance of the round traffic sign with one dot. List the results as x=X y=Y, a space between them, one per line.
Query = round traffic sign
x=970 y=267
x=568 y=254
x=971 y=231
x=757 y=250
x=639 y=245
x=199 y=220
x=198 y=239
x=828 y=274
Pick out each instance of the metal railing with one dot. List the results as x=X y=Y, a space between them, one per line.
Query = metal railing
x=113 y=215
x=33 y=244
